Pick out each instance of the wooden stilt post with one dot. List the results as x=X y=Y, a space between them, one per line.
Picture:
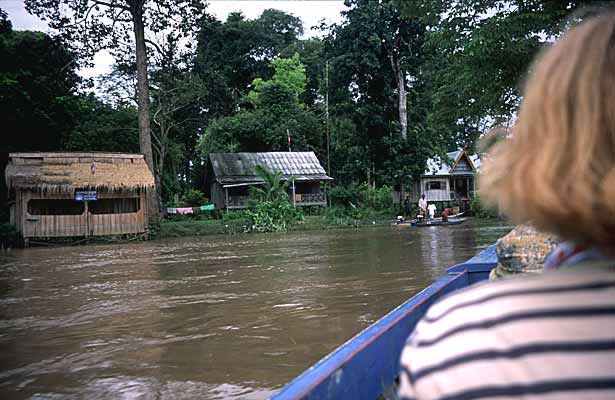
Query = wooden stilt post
x=87 y=219
x=468 y=188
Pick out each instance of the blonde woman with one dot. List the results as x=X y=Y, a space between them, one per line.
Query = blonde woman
x=549 y=336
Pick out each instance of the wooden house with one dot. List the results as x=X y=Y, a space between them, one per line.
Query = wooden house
x=230 y=175
x=451 y=180
x=78 y=194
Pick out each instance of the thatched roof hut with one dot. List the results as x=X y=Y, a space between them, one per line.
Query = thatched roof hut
x=78 y=194
x=66 y=172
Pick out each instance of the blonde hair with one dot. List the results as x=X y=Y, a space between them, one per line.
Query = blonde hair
x=557 y=168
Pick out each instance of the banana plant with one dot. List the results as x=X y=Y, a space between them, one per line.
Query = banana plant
x=273 y=189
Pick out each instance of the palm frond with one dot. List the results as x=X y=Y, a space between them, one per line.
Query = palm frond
x=273 y=188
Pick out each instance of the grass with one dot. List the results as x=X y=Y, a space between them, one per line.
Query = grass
x=200 y=227
x=197 y=227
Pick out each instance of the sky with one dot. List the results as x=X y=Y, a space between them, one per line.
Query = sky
x=311 y=13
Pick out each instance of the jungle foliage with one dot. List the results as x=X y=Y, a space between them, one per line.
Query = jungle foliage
x=404 y=81
x=270 y=208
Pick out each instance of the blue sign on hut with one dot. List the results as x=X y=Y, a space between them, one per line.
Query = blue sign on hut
x=230 y=175
x=78 y=194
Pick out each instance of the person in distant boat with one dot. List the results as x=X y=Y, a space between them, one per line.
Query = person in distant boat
x=432 y=210
x=407 y=206
x=549 y=335
x=445 y=213
x=423 y=205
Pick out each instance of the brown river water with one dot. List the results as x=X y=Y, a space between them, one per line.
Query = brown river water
x=206 y=318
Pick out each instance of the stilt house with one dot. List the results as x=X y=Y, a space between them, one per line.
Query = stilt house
x=444 y=182
x=78 y=194
x=452 y=180
x=230 y=175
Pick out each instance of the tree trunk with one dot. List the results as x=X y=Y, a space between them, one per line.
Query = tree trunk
x=145 y=139
x=161 y=158
x=400 y=79
x=158 y=191
x=373 y=176
x=403 y=112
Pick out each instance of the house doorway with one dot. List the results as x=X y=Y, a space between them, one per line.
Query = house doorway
x=463 y=188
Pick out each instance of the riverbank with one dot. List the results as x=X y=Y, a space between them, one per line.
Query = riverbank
x=210 y=227
x=196 y=227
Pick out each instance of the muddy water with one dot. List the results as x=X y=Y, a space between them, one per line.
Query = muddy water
x=213 y=317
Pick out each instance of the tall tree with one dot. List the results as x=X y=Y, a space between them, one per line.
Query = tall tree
x=231 y=54
x=93 y=25
x=289 y=75
x=480 y=53
x=311 y=53
x=38 y=83
x=103 y=127
x=38 y=105
x=277 y=111
x=380 y=26
x=176 y=100
x=376 y=60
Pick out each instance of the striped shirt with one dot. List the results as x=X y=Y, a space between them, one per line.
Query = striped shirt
x=550 y=336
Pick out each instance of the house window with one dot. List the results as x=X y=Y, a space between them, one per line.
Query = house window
x=433 y=185
x=55 y=207
x=114 y=206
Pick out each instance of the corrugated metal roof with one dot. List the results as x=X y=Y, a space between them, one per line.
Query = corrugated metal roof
x=240 y=167
x=436 y=166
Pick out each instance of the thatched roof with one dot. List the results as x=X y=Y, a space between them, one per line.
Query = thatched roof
x=65 y=172
x=233 y=168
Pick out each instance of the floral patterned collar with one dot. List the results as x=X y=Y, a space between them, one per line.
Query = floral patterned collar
x=569 y=253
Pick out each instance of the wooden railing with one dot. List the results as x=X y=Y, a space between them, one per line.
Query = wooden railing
x=453 y=195
x=308 y=199
x=238 y=202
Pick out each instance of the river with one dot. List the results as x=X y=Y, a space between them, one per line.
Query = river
x=206 y=318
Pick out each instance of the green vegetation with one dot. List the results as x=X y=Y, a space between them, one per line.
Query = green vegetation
x=193 y=198
x=362 y=196
x=273 y=113
x=270 y=209
x=200 y=227
x=8 y=236
x=272 y=216
x=273 y=190
x=240 y=224
x=480 y=210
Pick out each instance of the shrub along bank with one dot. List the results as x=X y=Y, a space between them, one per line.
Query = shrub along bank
x=270 y=211
x=480 y=210
x=233 y=226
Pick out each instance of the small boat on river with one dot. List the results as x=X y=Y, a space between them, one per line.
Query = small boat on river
x=451 y=221
x=367 y=366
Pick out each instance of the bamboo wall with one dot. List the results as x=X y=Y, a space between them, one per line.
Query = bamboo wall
x=85 y=224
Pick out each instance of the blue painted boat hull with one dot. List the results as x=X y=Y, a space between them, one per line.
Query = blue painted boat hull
x=367 y=365
x=451 y=221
